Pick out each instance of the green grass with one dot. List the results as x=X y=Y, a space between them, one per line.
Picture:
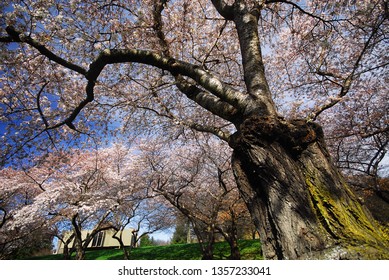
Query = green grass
x=250 y=250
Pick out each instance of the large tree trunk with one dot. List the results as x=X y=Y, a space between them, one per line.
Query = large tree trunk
x=299 y=201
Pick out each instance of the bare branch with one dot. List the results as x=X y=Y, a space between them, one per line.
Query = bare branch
x=219 y=132
x=42 y=115
x=376 y=132
x=345 y=87
x=214 y=44
x=159 y=6
x=21 y=38
x=294 y=5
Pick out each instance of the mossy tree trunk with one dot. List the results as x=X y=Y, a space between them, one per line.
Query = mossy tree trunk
x=299 y=201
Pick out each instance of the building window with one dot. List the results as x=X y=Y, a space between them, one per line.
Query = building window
x=98 y=239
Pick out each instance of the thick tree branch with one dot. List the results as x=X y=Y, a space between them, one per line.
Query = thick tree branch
x=176 y=67
x=254 y=71
x=6 y=39
x=223 y=135
x=208 y=101
x=4 y=216
x=159 y=6
x=226 y=97
x=201 y=97
x=223 y=9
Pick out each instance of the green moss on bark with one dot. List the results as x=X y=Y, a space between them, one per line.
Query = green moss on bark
x=354 y=232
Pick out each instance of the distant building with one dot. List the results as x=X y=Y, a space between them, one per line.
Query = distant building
x=102 y=239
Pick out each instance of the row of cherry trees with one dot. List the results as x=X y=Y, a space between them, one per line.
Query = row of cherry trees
x=197 y=180
x=78 y=190
x=116 y=187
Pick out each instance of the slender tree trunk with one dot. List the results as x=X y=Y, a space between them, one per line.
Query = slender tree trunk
x=122 y=246
x=234 y=248
x=207 y=243
x=124 y=249
x=207 y=250
x=299 y=201
x=231 y=236
x=66 y=241
x=66 y=251
x=188 y=234
x=235 y=252
x=232 y=241
x=66 y=254
x=80 y=252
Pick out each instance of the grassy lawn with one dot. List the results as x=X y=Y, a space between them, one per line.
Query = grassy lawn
x=250 y=250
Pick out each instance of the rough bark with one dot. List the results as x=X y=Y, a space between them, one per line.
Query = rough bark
x=299 y=201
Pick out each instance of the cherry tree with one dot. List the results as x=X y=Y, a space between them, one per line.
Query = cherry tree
x=357 y=128
x=73 y=70
x=197 y=180
x=358 y=143
x=145 y=215
x=81 y=191
x=110 y=191
x=137 y=206
x=66 y=198
x=178 y=178
x=70 y=192
x=17 y=191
